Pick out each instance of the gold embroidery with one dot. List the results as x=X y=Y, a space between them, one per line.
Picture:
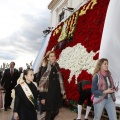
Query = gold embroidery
x=91 y=4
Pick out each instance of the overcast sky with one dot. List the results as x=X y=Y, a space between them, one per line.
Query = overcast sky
x=21 y=26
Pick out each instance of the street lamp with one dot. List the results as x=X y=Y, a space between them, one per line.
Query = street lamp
x=47 y=31
x=68 y=9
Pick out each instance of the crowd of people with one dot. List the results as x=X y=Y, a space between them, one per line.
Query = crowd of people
x=45 y=90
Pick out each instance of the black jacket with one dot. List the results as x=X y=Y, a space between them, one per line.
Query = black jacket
x=53 y=96
x=25 y=109
x=9 y=81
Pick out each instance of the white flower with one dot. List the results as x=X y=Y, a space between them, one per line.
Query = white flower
x=76 y=59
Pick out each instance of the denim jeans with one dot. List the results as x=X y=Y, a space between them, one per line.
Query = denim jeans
x=108 y=104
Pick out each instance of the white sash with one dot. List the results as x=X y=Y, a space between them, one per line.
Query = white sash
x=27 y=92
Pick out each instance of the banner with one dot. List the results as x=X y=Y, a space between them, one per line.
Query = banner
x=110 y=44
x=41 y=53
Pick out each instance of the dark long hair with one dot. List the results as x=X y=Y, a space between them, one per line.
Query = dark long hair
x=25 y=72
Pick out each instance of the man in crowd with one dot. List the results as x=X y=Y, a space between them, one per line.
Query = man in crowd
x=9 y=81
x=84 y=88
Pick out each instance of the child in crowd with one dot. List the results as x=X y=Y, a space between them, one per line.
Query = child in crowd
x=25 y=105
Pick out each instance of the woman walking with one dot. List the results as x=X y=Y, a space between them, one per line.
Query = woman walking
x=103 y=89
x=51 y=86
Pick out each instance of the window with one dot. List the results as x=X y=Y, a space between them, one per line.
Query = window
x=61 y=16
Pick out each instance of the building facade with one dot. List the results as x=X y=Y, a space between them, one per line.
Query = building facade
x=59 y=12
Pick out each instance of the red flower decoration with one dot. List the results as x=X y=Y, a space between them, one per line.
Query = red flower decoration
x=88 y=32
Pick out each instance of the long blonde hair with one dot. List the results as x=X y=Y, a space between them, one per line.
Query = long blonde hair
x=98 y=65
x=45 y=59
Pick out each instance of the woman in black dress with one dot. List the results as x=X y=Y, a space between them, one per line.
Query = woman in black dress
x=51 y=86
x=25 y=105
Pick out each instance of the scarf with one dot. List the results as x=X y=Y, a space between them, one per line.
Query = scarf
x=102 y=83
x=44 y=82
x=20 y=80
x=27 y=92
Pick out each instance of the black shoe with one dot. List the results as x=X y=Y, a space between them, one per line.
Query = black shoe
x=86 y=119
x=9 y=107
x=5 y=109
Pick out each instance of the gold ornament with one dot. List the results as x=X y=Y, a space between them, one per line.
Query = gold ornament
x=85 y=8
